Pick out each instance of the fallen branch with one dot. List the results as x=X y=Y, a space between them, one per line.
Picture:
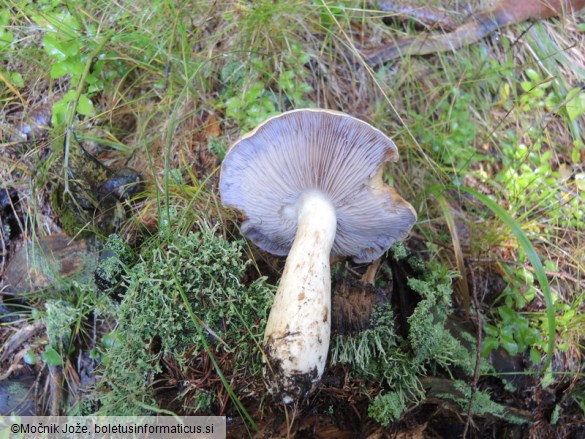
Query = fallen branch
x=502 y=14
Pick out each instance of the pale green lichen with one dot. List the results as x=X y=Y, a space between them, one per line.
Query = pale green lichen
x=113 y=258
x=58 y=318
x=231 y=315
x=379 y=354
x=482 y=403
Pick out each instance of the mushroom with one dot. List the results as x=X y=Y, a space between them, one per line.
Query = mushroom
x=310 y=184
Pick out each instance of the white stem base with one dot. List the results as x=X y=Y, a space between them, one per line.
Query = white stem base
x=297 y=334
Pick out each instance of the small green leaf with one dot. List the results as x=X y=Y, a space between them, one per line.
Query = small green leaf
x=98 y=86
x=60 y=108
x=69 y=66
x=538 y=92
x=510 y=345
x=85 y=106
x=488 y=345
x=17 y=79
x=567 y=317
x=535 y=356
x=507 y=331
x=6 y=37
x=527 y=336
x=110 y=339
x=91 y=78
x=59 y=69
x=30 y=358
x=533 y=75
x=51 y=357
x=4 y=17
x=58 y=112
x=54 y=47
x=71 y=47
x=551 y=102
x=575 y=103
x=490 y=330
x=509 y=300
x=506 y=313
x=550 y=265
x=526 y=275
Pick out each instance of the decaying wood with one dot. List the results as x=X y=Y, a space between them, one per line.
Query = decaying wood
x=425 y=15
x=352 y=304
x=56 y=390
x=44 y=263
x=503 y=13
x=17 y=339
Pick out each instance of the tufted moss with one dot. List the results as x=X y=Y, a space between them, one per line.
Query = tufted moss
x=231 y=315
x=381 y=355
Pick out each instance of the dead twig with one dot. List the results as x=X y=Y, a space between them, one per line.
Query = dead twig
x=479 y=25
x=18 y=338
x=427 y=16
x=477 y=355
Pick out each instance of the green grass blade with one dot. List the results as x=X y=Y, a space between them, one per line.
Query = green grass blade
x=524 y=241
x=203 y=338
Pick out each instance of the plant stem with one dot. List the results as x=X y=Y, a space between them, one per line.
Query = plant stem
x=72 y=105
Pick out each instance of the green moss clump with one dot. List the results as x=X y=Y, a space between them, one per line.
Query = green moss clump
x=387 y=407
x=379 y=354
x=230 y=315
x=59 y=317
x=398 y=250
x=376 y=353
x=482 y=403
x=113 y=258
x=428 y=335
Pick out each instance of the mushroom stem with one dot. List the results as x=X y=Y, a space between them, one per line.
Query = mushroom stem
x=297 y=334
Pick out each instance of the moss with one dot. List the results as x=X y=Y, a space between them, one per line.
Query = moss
x=398 y=250
x=58 y=318
x=74 y=220
x=376 y=353
x=379 y=354
x=387 y=407
x=482 y=403
x=231 y=315
x=113 y=258
x=428 y=335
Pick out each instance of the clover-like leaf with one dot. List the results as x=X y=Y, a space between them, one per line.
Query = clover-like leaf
x=54 y=47
x=73 y=67
x=85 y=106
x=51 y=357
x=4 y=17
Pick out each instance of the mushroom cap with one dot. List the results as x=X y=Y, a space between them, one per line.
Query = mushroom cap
x=267 y=170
